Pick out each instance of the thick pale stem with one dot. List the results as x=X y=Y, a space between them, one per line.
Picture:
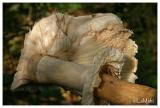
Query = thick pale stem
x=52 y=70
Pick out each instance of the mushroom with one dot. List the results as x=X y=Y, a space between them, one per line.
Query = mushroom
x=74 y=51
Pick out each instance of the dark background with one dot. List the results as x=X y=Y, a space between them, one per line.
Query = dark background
x=18 y=19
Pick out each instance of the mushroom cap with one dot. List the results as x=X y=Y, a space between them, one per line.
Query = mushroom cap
x=99 y=42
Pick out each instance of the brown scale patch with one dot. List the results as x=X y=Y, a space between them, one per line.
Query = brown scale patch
x=110 y=70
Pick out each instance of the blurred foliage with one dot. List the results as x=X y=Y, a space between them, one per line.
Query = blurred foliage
x=18 y=19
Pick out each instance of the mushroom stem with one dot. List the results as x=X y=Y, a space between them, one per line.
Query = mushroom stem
x=65 y=73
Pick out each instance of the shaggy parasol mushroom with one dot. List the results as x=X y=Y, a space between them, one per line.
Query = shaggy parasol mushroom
x=75 y=51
